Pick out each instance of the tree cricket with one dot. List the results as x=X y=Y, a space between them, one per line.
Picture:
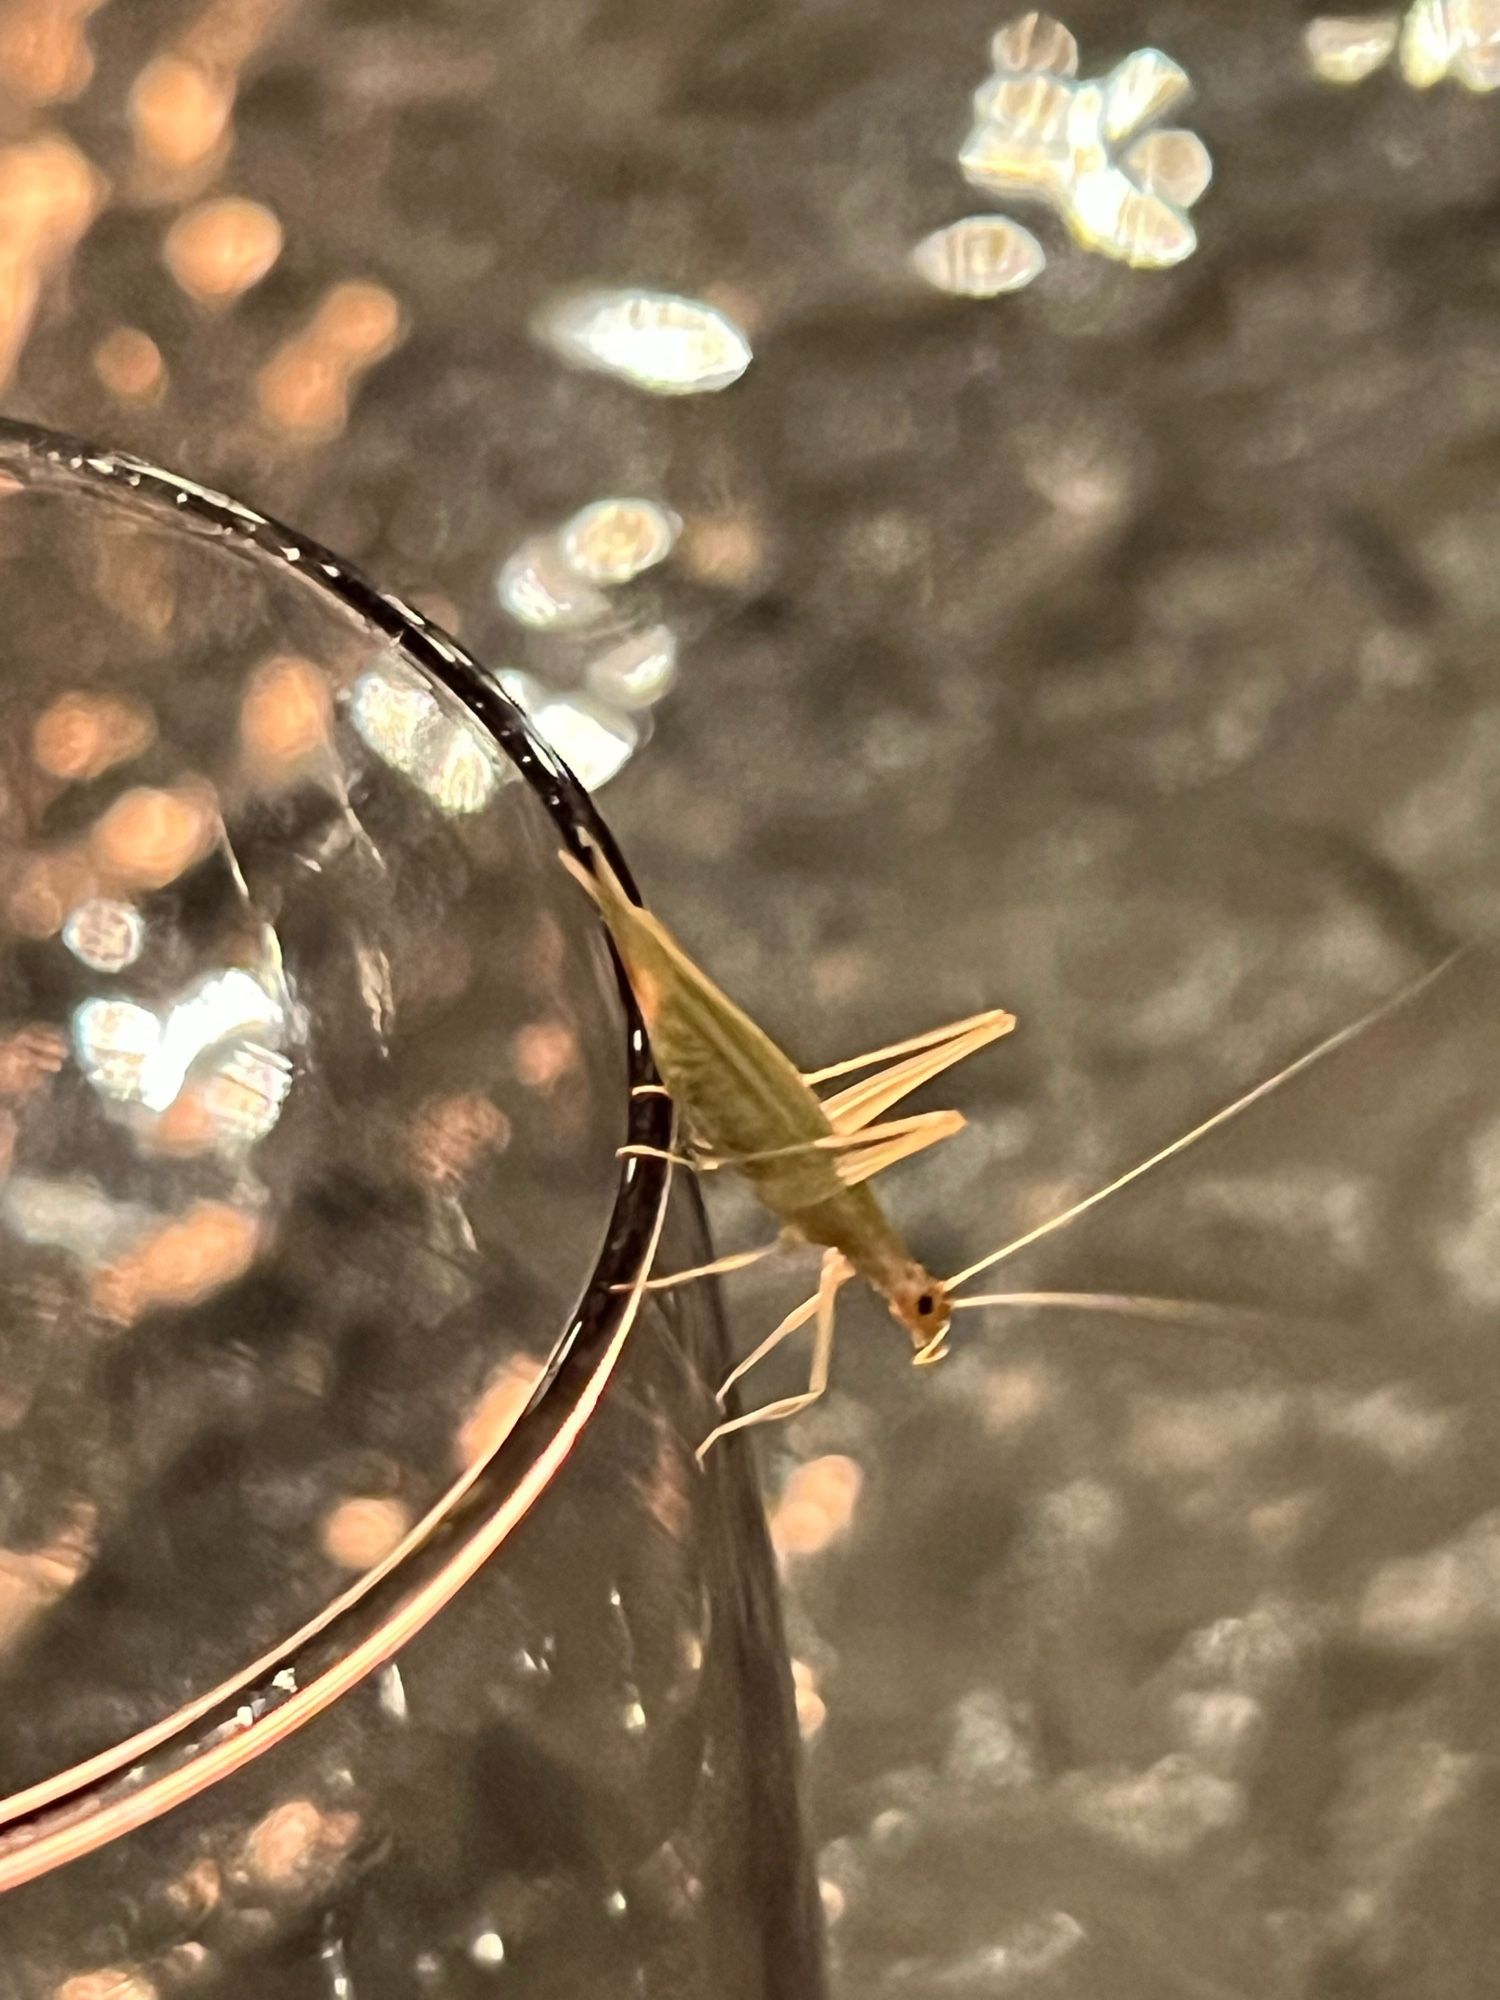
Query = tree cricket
x=743 y=1105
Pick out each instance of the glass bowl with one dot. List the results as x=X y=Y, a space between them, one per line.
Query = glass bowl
x=366 y=1623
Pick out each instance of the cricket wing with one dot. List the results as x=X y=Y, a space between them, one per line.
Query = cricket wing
x=738 y=1090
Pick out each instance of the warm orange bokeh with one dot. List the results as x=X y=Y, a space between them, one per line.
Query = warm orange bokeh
x=49 y=194
x=219 y=249
x=129 y=364
x=110 y=1982
x=286 y=714
x=179 y=114
x=31 y=1582
x=543 y=1053
x=359 y=1533
x=44 y=52
x=494 y=1416
x=80 y=735
x=450 y=1134
x=296 y=1846
x=816 y=1505
x=29 y=1056
x=305 y=387
x=148 y=838
x=180 y=1262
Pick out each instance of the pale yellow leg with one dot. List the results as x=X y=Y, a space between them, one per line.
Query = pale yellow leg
x=924 y=1131
x=989 y=1027
x=797 y=1317
x=836 y=1270
x=894 y=1129
x=695 y=1164
x=737 y=1260
x=851 y=1109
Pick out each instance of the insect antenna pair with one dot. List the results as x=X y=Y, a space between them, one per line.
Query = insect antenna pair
x=742 y=1105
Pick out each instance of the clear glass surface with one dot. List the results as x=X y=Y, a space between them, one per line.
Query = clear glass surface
x=366 y=1622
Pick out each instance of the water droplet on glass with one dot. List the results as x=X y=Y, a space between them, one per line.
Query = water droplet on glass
x=539 y=587
x=104 y=934
x=1172 y=164
x=657 y=341
x=613 y=541
x=1346 y=48
x=1035 y=42
x=980 y=257
x=638 y=671
x=1139 y=90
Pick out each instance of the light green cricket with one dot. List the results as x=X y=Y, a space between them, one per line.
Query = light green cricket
x=743 y=1104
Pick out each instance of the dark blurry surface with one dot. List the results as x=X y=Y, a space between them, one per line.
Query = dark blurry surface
x=1121 y=651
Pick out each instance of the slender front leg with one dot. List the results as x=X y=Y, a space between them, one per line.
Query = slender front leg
x=836 y=1270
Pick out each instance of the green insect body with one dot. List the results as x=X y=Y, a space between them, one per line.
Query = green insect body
x=745 y=1105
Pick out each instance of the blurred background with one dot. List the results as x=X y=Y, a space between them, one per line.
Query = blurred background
x=1116 y=646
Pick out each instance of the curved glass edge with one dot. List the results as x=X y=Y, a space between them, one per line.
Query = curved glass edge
x=79 y=1809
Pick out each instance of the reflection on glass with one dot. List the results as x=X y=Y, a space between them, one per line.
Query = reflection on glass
x=224 y=1034
x=1085 y=148
x=105 y=935
x=298 y=1207
x=980 y=257
x=437 y=746
x=656 y=341
x=561 y=582
x=594 y=740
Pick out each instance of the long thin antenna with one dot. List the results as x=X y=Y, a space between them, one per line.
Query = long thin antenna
x=1221 y=1117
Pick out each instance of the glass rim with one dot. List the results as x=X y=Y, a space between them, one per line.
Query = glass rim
x=76 y=1810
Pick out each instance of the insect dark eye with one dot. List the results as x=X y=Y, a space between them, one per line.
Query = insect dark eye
x=926 y=1303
